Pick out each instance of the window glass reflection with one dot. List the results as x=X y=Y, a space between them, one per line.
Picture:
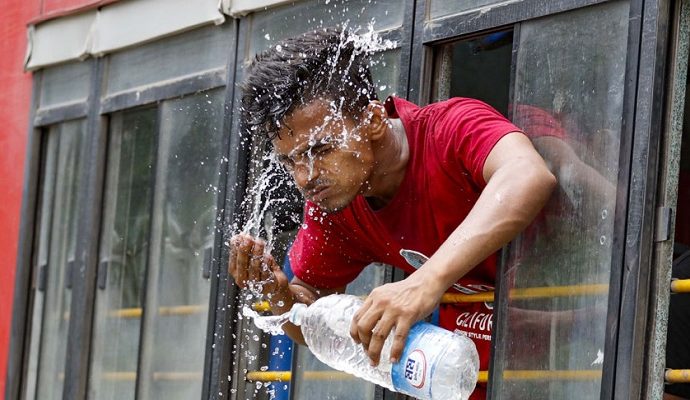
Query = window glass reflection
x=568 y=98
x=442 y=8
x=56 y=256
x=125 y=235
x=183 y=232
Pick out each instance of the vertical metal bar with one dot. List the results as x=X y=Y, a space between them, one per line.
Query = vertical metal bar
x=84 y=276
x=219 y=342
x=679 y=50
x=418 y=91
x=21 y=312
x=407 y=34
x=641 y=160
x=500 y=301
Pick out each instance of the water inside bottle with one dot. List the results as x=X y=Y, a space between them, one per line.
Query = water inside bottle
x=271 y=324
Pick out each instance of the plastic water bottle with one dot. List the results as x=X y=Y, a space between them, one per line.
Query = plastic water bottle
x=436 y=364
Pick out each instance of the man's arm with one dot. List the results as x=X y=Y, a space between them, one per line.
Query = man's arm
x=518 y=185
x=249 y=263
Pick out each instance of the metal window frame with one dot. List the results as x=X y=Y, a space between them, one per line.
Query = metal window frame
x=636 y=202
x=96 y=110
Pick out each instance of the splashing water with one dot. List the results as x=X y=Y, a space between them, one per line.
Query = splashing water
x=271 y=324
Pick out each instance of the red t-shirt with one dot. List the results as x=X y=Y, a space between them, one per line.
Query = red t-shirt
x=449 y=142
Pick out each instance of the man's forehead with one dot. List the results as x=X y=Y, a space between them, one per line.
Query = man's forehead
x=312 y=115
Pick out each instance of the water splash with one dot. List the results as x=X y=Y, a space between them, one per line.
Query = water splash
x=271 y=324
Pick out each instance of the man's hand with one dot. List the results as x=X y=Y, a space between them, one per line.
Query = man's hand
x=398 y=306
x=250 y=264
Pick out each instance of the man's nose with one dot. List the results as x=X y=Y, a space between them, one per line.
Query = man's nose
x=304 y=174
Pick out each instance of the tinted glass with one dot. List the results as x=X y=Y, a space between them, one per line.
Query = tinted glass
x=478 y=68
x=442 y=8
x=175 y=57
x=294 y=19
x=182 y=241
x=315 y=380
x=58 y=222
x=569 y=82
x=65 y=84
x=125 y=239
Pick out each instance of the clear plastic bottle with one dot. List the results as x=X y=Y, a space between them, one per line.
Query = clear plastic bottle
x=435 y=365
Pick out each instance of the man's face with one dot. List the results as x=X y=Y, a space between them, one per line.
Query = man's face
x=328 y=153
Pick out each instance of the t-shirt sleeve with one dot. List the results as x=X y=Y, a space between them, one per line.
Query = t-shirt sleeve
x=324 y=254
x=467 y=132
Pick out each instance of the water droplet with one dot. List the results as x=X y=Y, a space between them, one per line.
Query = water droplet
x=602 y=240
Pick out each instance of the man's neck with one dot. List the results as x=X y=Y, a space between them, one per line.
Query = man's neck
x=391 y=155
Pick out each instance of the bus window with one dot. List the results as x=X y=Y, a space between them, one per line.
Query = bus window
x=478 y=68
x=56 y=253
x=157 y=242
x=568 y=98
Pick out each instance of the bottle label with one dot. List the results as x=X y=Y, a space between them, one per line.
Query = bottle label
x=412 y=373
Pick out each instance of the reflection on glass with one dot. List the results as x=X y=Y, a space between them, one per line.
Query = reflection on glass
x=568 y=99
x=65 y=84
x=182 y=240
x=336 y=385
x=171 y=58
x=61 y=185
x=294 y=19
x=442 y=8
x=123 y=254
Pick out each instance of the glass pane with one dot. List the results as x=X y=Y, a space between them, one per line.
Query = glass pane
x=442 y=8
x=477 y=68
x=65 y=84
x=176 y=57
x=315 y=380
x=568 y=99
x=183 y=231
x=294 y=19
x=56 y=250
x=123 y=254
x=385 y=71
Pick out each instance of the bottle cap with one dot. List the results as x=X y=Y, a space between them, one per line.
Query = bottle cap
x=297 y=313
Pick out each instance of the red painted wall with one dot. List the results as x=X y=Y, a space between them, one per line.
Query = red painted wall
x=14 y=114
x=15 y=102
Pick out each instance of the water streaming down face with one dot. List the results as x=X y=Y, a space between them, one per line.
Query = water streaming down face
x=268 y=192
x=273 y=191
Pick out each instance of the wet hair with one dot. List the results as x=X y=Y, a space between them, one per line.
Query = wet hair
x=328 y=63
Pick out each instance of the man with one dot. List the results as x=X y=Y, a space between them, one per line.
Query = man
x=454 y=180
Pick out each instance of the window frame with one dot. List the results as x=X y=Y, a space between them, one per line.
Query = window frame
x=631 y=282
x=635 y=214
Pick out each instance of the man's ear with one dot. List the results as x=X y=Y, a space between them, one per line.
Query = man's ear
x=375 y=117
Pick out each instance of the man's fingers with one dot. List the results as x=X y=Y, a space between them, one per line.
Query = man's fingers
x=402 y=329
x=378 y=336
x=242 y=263
x=354 y=331
x=256 y=260
x=232 y=264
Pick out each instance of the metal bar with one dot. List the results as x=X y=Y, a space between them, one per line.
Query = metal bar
x=495 y=16
x=84 y=274
x=514 y=294
x=669 y=167
x=509 y=375
x=637 y=279
x=218 y=359
x=137 y=312
x=167 y=89
x=63 y=112
x=20 y=331
x=677 y=375
x=680 y=286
